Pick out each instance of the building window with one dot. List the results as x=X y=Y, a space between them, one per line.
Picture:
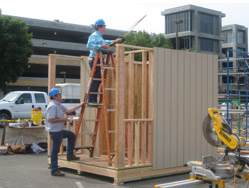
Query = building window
x=224 y=51
x=206 y=45
x=185 y=43
x=186 y=25
x=239 y=52
x=240 y=37
x=240 y=66
x=209 y=24
x=224 y=65
x=231 y=79
x=227 y=36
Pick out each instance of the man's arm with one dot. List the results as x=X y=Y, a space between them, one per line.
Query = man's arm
x=57 y=120
x=69 y=110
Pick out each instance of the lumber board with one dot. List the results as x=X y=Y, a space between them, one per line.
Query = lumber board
x=51 y=84
x=99 y=166
x=144 y=108
x=133 y=47
x=67 y=56
x=138 y=120
x=131 y=86
x=119 y=107
x=150 y=105
x=137 y=143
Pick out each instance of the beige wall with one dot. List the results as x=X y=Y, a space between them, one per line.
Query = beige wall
x=185 y=86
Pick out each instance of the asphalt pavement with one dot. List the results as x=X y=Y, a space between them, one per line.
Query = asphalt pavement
x=31 y=171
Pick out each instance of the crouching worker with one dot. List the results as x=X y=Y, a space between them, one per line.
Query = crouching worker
x=55 y=126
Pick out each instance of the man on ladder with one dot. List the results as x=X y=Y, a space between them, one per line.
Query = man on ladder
x=97 y=43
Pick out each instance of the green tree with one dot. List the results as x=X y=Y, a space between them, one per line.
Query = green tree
x=15 y=49
x=161 y=41
x=143 y=38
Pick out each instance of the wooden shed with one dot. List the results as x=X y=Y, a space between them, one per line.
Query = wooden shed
x=161 y=99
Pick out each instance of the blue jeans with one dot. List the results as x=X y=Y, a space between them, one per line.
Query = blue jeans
x=57 y=138
x=95 y=83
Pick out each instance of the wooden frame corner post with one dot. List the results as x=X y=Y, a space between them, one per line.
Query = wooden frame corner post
x=119 y=109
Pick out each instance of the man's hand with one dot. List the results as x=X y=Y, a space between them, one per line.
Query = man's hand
x=105 y=46
x=118 y=40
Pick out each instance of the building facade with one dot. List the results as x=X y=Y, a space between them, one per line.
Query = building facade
x=234 y=38
x=55 y=37
x=194 y=28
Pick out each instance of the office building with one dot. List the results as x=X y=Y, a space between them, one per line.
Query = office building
x=194 y=28
x=234 y=38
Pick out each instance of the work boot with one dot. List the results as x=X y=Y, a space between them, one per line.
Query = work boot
x=73 y=157
x=57 y=173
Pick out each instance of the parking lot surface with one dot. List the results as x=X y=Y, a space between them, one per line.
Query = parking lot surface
x=31 y=171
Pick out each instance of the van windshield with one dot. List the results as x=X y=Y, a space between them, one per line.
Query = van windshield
x=10 y=97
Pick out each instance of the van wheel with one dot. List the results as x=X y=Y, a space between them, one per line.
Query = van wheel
x=3 y=116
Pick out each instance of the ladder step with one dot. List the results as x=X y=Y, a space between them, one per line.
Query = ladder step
x=110 y=110
x=97 y=79
x=84 y=147
x=96 y=93
x=90 y=133
x=95 y=105
x=110 y=89
x=110 y=104
x=91 y=120
x=89 y=147
x=87 y=133
x=109 y=68
x=98 y=65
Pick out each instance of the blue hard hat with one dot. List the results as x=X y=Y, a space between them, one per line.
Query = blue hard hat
x=100 y=22
x=53 y=92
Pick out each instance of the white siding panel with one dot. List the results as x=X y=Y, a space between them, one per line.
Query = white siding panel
x=185 y=86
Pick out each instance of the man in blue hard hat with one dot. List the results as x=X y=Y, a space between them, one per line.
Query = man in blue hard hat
x=96 y=43
x=55 y=126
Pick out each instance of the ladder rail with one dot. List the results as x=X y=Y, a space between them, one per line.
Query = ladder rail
x=101 y=100
x=97 y=124
x=103 y=74
x=85 y=98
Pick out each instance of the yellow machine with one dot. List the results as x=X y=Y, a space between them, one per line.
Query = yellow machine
x=217 y=132
x=216 y=172
x=221 y=130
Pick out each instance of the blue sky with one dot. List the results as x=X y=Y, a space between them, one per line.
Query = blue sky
x=119 y=14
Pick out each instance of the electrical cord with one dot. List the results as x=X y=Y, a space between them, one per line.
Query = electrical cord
x=236 y=173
